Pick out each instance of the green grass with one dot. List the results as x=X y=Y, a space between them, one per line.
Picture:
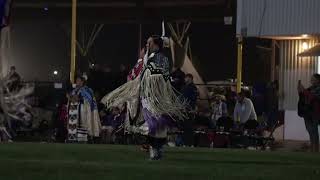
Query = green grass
x=96 y=162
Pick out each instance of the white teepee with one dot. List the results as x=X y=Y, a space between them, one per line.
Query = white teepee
x=181 y=58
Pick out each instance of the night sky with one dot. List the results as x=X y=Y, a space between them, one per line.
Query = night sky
x=39 y=48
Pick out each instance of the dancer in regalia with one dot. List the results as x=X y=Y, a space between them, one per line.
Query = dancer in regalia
x=83 y=118
x=152 y=104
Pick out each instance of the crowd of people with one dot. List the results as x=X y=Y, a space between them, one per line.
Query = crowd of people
x=152 y=101
x=112 y=120
x=82 y=116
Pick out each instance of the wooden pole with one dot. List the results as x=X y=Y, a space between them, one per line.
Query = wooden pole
x=239 y=65
x=73 y=41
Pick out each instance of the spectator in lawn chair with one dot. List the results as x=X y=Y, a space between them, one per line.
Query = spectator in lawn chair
x=218 y=109
x=108 y=123
x=244 y=111
x=309 y=109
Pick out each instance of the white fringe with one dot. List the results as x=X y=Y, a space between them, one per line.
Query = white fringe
x=160 y=97
x=157 y=93
x=127 y=92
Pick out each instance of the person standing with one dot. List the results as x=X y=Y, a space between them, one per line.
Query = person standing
x=83 y=116
x=309 y=109
x=190 y=94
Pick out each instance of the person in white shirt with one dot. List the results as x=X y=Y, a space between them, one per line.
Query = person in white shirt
x=244 y=109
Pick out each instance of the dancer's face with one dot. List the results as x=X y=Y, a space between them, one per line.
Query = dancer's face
x=151 y=45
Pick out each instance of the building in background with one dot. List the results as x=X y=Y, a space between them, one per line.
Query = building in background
x=294 y=27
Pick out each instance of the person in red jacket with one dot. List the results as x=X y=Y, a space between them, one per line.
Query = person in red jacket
x=310 y=100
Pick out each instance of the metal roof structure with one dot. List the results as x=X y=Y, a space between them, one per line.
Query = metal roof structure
x=127 y=11
x=274 y=18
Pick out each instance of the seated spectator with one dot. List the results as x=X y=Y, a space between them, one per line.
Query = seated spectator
x=110 y=123
x=244 y=110
x=218 y=109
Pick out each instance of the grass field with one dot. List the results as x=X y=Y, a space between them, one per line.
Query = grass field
x=95 y=162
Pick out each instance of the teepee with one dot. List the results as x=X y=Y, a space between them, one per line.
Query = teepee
x=182 y=57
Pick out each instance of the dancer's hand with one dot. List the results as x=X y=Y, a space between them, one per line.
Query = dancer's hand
x=142 y=53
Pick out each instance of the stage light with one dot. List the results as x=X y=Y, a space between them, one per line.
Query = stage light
x=305 y=46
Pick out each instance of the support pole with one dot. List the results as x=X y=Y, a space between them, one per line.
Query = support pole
x=73 y=41
x=239 y=64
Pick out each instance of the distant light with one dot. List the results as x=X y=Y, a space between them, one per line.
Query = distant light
x=46 y=9
x=55 y=72
x=305 y=46
x=92 y=64
x=304 y=35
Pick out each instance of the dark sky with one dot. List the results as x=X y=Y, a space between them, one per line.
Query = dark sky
x=39 y=48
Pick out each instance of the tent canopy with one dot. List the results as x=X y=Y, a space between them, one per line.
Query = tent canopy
x=314 y=51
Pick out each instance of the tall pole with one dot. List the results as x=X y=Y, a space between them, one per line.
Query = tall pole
x=239 y=64
x=73 y=41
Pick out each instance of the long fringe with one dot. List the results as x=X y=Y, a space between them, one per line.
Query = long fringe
x=127 y=92
x=160 y=97
x=157 y=94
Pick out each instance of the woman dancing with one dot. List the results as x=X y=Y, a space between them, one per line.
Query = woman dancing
x=152 y=104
